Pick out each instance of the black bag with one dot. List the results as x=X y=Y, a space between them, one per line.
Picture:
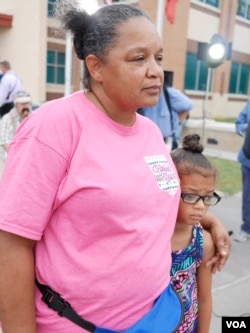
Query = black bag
x=166 y=94
x=5 y=108
x=246 y=144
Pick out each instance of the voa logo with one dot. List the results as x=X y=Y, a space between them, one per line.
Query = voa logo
x=235 y=324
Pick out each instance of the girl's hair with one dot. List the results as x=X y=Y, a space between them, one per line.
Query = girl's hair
x=97 y=33
x=189 y=159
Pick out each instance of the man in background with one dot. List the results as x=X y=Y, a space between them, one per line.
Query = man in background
x=10 y=84
x=170 y=114
x=10 y=121
x=243 y=119
x=242 y=127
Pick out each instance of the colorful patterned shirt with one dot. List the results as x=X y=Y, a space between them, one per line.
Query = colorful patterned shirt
x=183 y=279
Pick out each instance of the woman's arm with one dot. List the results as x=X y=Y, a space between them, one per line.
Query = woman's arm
x=204 y=284
x=17 y=305
x=221 y=240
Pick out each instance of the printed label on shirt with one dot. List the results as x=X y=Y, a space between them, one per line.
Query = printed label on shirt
x=164 y=174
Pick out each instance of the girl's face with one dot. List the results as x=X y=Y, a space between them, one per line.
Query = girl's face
x=194 y=184
x=132 y=72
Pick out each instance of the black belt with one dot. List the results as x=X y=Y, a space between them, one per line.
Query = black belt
x=62 y=307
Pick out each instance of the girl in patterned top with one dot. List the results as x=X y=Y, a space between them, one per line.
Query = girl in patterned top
x=191 y=245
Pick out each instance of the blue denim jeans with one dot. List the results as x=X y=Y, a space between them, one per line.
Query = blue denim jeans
x=245 y=199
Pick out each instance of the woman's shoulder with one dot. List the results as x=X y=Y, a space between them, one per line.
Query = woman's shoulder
x=148 y=123
x=61 y=107
x=56 y=122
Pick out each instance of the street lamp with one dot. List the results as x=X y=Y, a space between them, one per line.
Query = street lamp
x=214 y=54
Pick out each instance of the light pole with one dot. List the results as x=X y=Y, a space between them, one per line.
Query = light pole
x=214 y=54
x=204 y=109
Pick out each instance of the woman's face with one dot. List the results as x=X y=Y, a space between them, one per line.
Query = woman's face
x=132 y=73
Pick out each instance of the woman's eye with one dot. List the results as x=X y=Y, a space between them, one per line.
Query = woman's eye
x=139 y=58
x=159 y=58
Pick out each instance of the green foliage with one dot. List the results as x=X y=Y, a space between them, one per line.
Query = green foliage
x=229 y=175
x=226 y=120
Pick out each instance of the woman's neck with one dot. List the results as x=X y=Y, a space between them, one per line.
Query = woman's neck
x=123 y=118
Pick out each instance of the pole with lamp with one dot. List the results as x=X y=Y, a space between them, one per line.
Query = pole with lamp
x=214 y=54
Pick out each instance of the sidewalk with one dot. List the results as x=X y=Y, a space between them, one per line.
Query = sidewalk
x=231 y=287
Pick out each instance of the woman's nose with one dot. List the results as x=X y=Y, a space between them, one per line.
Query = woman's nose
x=155 y=69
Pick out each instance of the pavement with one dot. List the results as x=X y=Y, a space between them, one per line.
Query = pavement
x=231 y=286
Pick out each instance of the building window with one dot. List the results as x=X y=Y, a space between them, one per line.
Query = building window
x=55 y=67
x=239 y=79
x=243 y=9
x=51 y=7
x=214 y=3
x=195 y=73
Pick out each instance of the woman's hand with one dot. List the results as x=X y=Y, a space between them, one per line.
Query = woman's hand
x=221 y=240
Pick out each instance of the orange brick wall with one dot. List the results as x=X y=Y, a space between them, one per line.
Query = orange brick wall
x=174 y=38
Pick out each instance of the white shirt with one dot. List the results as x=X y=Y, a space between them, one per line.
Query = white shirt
x=10 y=84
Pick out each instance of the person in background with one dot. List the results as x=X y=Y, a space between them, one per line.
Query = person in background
x=244 y=159
x=191 y=245
x=10 y=84
x=169 y=114
x=243 y=120
x=89 y=194
x=181 y=105
x=160 y=115
x=241 y=125
x=11 y=120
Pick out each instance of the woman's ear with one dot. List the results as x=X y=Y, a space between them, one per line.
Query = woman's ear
x=95 y=67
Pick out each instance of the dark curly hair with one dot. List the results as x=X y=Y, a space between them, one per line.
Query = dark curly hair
x=189 y=158
x=94 y=34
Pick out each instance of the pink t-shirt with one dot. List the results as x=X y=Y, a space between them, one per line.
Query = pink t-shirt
x=101 y=199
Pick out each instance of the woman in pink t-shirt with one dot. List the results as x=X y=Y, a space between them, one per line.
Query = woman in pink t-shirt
x=89 y=194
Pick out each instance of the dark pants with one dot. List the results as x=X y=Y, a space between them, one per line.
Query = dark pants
x=5 y=108
x=245 y=199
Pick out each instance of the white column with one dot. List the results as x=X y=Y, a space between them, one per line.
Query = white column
x=160 y=16
x=68 y=64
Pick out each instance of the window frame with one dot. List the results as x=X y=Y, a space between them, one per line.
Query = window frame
x=239 y=79
x=199 y=73
x=210 y=3
x=245 y=13
x=57 y=67
x=50 y=6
